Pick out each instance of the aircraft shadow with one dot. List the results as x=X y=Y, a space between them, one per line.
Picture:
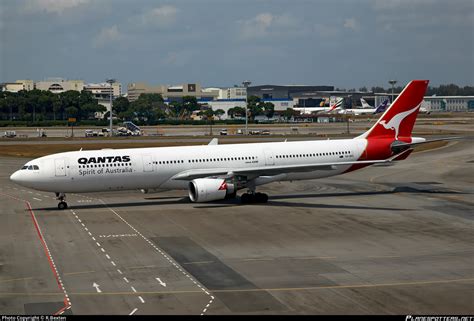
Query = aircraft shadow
x=274 y=200
x=175 y=201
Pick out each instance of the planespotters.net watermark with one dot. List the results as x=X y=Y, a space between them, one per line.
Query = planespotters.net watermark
x=438 y=318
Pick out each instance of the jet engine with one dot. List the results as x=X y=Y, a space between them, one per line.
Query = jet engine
x=210 y=189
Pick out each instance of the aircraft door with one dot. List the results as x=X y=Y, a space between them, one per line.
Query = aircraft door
x=60 y=165
x=269 y=157
x=147 y=163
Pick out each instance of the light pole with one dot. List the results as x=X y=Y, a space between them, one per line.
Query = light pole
x=110 y=81
x=246 y=84
x=392 y=82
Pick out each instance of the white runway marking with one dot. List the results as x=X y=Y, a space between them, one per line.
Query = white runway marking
x=161 y=252
x=36 y=199
x=95 y=285
x=133 y=311
x=163 y=283
x=117 y=235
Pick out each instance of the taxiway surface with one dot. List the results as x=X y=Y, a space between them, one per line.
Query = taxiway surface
x=383 y=240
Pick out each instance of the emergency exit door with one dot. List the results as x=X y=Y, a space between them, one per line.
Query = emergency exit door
x=60 y=164
x=147 y=163
x=269 y=157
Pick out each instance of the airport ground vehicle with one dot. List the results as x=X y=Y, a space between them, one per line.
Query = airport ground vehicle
x=90 y=133
x=265 y=132
x=223 y=132
x=9 y=134
x=215 y=172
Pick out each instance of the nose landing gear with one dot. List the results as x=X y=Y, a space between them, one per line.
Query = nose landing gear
x=61 y=197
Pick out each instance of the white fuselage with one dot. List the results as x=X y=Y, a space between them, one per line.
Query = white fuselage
x=312 y=110
x=154 y=168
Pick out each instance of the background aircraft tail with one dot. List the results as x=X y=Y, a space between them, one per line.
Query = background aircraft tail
x=398 y=120
x=364 y=103
x=382 y=107
x=339 y=104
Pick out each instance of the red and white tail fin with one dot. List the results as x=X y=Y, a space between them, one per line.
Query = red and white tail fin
x=338 y=104
x=398 y=120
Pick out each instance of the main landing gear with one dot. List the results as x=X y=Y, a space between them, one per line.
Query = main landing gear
x=249 y=198
x=61 y=197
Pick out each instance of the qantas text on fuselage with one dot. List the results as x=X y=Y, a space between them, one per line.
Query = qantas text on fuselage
x=213 y=172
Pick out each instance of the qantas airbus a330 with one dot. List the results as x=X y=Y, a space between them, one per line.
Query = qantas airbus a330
x=215 y=172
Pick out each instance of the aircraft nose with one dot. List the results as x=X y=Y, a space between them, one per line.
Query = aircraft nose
x=15 y=177
x=18 y=178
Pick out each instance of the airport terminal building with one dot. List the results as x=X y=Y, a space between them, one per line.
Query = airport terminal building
x=171 y=93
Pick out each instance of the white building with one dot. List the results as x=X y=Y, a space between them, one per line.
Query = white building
x=18 y=85
x=101 y=92
x=450 y=103
x=225 y=105
x=233 y=93
x=59 y=85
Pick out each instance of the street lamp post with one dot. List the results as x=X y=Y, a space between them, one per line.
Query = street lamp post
x=246 y=84
x=110 y=81
x=392 y=82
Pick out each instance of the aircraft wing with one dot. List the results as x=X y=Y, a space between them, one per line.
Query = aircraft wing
x=272 y=170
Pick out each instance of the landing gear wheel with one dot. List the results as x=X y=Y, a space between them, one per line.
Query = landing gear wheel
x=246 y=198
x=261 y=198
x=231 y=196
x=62 y=205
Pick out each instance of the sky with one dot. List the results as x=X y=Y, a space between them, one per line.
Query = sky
x=347 y=44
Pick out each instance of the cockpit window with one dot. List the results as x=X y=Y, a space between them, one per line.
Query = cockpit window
x=30 y=167
x=24 y=167
x=35 y=167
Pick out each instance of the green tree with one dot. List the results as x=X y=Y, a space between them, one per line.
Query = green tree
x=207 y=114
x=269 y=109
x=88 y=110
x=121 y=105
x=57 y=105
x=254 y=107
x=378 y=89
x=219 y=113
x=190 y=104
x=236 y=112
x=72 y=111
x=288 y=113
x=147 y=109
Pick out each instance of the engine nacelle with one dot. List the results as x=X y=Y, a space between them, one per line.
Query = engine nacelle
x=209 y=189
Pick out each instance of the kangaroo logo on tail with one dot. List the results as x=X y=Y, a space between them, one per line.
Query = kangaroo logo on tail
x=394 y=123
